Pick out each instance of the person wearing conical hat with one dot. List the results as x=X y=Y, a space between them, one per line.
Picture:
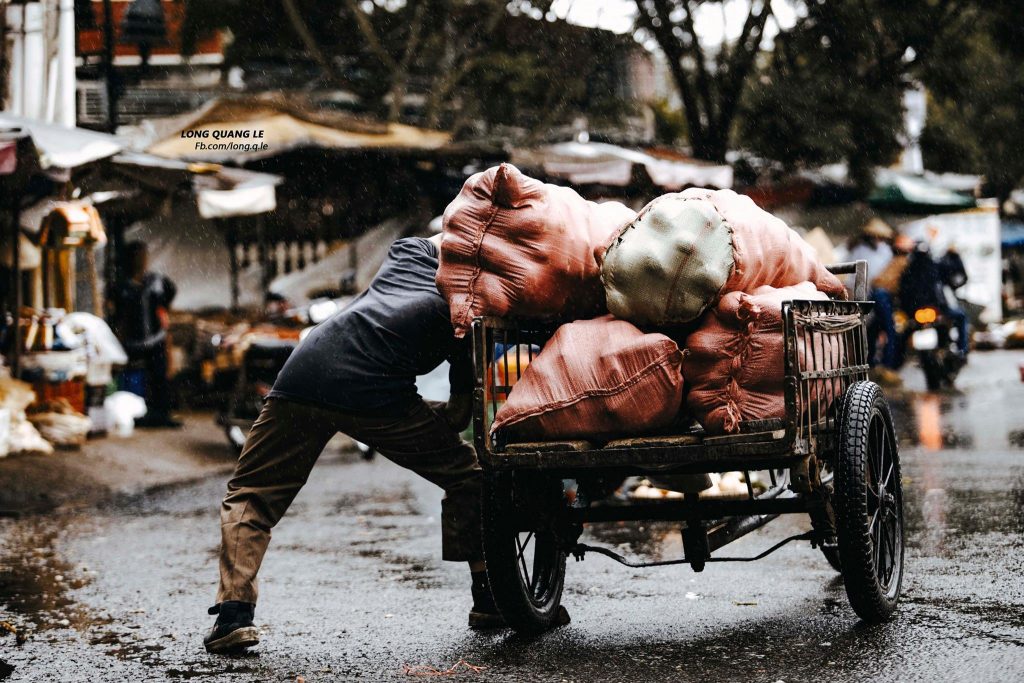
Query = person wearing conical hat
x=874 y=246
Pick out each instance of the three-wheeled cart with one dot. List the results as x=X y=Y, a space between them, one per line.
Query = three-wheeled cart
x=833 y=457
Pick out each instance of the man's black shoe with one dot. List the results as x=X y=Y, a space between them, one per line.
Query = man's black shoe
x=233 y=631
x=484 y=614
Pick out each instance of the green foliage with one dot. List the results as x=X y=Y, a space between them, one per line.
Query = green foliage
x=710 y=82
x=976 y=113
x=473 y=59
x=832 y=89
x=669 y=124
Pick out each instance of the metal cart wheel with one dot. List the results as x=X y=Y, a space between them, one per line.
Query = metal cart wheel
x=525 y=563
x=869 y=504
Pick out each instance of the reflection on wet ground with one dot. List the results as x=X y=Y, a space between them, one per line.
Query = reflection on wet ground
x=354 y=587
x=35 y=581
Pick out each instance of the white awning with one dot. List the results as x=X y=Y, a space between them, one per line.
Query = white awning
x=241 y=201
x=220 y=191
x=64 y=148
x=583 y=163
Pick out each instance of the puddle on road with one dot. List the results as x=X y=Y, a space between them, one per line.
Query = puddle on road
x=937 y=421
x=404 y=568
x=36 y=586
x=35 y=580
x=395 y=503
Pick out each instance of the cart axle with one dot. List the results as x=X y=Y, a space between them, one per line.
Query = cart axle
x=581 y=549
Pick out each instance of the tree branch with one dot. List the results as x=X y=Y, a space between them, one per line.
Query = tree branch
x=711 y=108
x=747 y=49
x=298 y=24
x=460 y=56
x=369 y=35
x=673 y=53
x=400 y=76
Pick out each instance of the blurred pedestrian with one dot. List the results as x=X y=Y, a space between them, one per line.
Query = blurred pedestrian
x=885 y=288
x=873 y=246
x=141 y=317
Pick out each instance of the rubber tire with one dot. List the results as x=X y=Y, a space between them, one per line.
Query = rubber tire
x=523 y=614
x=862 y=402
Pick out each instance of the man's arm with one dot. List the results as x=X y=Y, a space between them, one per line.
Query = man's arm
x=459 y=409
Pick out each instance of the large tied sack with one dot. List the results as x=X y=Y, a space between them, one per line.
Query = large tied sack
x=514 y=246
x=735 y=361
x=595 y=378
x=685 y=250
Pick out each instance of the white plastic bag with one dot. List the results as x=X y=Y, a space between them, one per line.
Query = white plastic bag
x=122 y=408
x=103 y=343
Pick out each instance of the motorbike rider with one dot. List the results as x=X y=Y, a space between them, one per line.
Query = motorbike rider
x=355 y=373
x=922 y=285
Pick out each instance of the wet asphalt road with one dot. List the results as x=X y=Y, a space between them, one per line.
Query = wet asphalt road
x=353 y=586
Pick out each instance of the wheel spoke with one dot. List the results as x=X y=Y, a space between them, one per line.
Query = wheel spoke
x=534 y=581
x=878 y=552
x=522 y=560
x=883 y=450
x=890 y=555
x=890 y=540
x=874 y=520
x=875 y=444
x=888 y=475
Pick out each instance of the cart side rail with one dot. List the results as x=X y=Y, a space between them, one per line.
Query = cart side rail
x=826 y=352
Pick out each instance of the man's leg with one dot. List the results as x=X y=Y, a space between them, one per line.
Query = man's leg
x=422 y=440
x=887 y=323
x=279 y=453
x=158 y=390
x=959 y=320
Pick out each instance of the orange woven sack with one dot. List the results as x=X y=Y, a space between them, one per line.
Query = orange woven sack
x=514 y=246
x=595 y=378
x=734 y=362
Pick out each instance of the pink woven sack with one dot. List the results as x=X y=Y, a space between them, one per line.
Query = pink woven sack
x=514 y=246
x=765 y=249
x=734 y=362
x=595 y=378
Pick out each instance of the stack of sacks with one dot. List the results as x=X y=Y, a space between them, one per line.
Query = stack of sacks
x=514 y=246
x=685 y=250
x=735 y=360
x=595 y=378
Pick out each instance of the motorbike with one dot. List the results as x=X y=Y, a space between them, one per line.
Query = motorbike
x=932 y=336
